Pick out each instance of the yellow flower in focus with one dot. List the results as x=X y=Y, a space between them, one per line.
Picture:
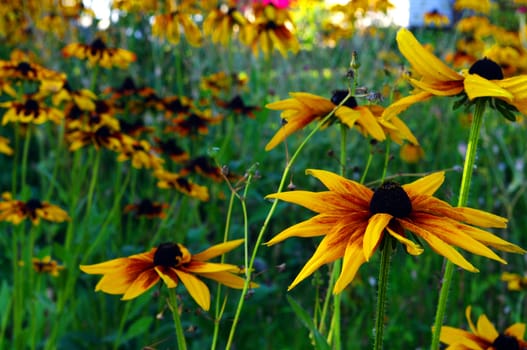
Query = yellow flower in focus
x=483 y=336
x=171 y=263
x=97 y=53
x=355 y=220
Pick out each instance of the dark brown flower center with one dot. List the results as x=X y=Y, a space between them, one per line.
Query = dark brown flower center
x=97 y=46
x=31 y=107
x=339 y=95
x=390 y=198
x=33 y=204
x=505 y=342
x=168 y=255
x=24 y=68
x=487 y=69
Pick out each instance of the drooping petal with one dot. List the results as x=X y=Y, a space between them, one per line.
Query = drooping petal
x=353 y=260
x=324 y=254
x=481 y=218
x=447 y=88
x=217 y=250
x=423 y=61
x=491 y=240
x=426 y=185
x=196 y=288
x=399 y=127
x=517 y=86
x=206 y=267
x=374 y=233
x=285 y=130
x=142 y=283
x=314 y=102
x=455 y=336
x=411 y=247
x=517 y=330
x=477 y=86
x=168 y=275
x=368 y=121
x=115 y=283
x=105 y=267
x=486 y=329
x=439 y=246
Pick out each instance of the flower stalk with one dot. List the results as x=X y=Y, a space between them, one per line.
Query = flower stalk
x=468 y=167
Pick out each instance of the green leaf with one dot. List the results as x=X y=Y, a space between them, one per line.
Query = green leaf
x=320 y=341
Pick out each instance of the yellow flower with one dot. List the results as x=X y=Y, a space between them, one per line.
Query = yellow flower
x=222 y=22
x=97 y=53
x=4 y=146
x=436 y=18
x=304 y=108
x=15 y=211
x=171 y=263
x=483 y=79
x=481 y=6
x=484 y=336
x=139 y=151
x=47 y=265
x=354 y=220
x=514 y=281
x=30 y=110
x=182 y=184
x=168 y=26
x=147 y=208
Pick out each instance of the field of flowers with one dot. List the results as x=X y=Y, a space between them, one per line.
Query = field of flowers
x=273 y=174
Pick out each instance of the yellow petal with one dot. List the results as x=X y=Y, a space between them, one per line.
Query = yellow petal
x=451 y=335
x=316 y=226
x=403 y=104
x=323 y=255
x=105 y=267
x=196 y=288
x=228 y=279
x=426 y=185
x=411 y=247
x=206 y=267
x=142 y=283
x=489 y=239
x=369 y=122
x=168 y=275
x=289 y=128
x=217 y=250
x=486 y=329
x=468 y=311
x=374 y=233
x=517 y=86
x=402 y=129
x=481 y=218
x=353 y=260
x=477 y=86
x=439 y=246
x=337 y=183
x=517 y=330
x=315 y=201
x=423 y=62
x=447 y=88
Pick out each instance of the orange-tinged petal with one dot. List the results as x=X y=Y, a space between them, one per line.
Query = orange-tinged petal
x=427 y=185
x=517 y=330
x=353 y=260
x=314 y=201
x=348 y=116
x=481 y=218
x=447 y=88
x=374 y=233
x=450 y=336
x=517 y=86
x=168 y=275
x=116 y=283
x=196 y=288
x=368 y=121
x=401 y=128
x=423 y=61
x=285 y=130
x=316 y=226
x=340 y=184
x=217 y=250
x=491 y=240
x=205 y=267
x=477 y=86
x=405 y=102
x=323 y=255
x=105 y=267
x=439 y=246
x=317 y=103
x=142 y=283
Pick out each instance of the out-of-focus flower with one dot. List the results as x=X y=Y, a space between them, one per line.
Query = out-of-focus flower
x=411 y=153
x=47 y=265
x=222 y=22
x=30 y=110
x=147 y=208
x=182 y=184
x=480 y=6
x=15 y=211
x=97 y=53
x=436 y=19
x=515 y=282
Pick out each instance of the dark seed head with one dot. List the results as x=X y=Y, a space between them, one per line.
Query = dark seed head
x=487 y=69
x=31 y=107
x=391 y=199
x=33 y=204
x=168 y=255
x=339 y=95
x=505 y=342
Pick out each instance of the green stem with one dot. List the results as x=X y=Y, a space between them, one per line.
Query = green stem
x=386 y=159
x=93 y=182
x=468 y=167
x=382 y=292
x=180 y=335
x=263 y=229
x=124 y=316
x=25 y=153
x=219 y=309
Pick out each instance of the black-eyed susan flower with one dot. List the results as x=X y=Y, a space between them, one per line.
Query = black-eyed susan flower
x=140 y=153
x=4 y=146
x=98 y=136
x=97 y=53
x=167 y=179
x=83 y=98
x=196 y=122
x=272 y=29
x=304 y=108
x=222 y=82
x=411 y=153
x=171 y=263
x=354 y=220
x=170 y=26
x=147 y=208
x=515 y=282
x=222 y=22
x=484 y=79
x=171 y=149
x=47 y=265
x=483 y=336
x=19 y=69
x=15 y=211
x=436 y=19
x=30 y=110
